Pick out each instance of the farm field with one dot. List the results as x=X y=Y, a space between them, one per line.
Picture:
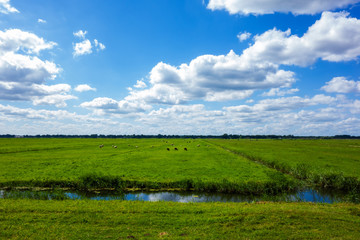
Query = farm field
x=143 y=163
x=209 y=165
x=319 y=155
x=31 y=219
x=325 y=163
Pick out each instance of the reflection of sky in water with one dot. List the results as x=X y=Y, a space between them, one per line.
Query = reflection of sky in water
x=302 y=196
x=177 y=197
x=313 y=196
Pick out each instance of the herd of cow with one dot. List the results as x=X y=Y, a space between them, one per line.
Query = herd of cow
x=176 y=149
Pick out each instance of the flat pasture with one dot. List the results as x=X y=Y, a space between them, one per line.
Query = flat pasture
x=323 y=155
x=209 y=165
x=326 y=162
x=140 y=162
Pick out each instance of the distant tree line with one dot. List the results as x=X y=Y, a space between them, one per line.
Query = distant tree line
x=224 y=136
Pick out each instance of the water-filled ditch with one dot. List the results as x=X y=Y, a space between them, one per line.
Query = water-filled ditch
x=306 y=195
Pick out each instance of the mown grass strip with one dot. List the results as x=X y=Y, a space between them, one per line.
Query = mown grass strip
x=34 y=219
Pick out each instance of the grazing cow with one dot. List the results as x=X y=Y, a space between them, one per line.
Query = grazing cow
x=168 y=149
x=114 y=146
x=101 y=146
x=175 y=149
x=185 y=149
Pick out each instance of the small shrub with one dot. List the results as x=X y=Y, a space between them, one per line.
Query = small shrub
x=97 y=181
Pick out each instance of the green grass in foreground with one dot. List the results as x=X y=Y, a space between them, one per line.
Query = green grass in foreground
x=31 y=219
x=143 y=163
x=327 y=163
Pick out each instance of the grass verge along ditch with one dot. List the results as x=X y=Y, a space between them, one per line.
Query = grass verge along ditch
x=34 y=219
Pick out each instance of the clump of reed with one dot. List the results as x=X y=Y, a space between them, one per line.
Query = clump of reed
x=99 y=181
x=278 y=184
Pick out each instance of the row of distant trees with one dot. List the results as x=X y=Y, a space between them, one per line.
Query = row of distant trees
x=224 y=136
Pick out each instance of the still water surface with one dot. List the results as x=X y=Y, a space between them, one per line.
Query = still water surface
x=307 y=195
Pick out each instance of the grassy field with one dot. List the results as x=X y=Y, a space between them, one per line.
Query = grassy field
x=328 y=163
x=208 y=165
x=143 y=163
x=31 y=219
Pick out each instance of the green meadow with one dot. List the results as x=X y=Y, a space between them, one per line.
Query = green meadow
x=211 y=165
x=134 y=163
x=208 y=165
x=325 y=163
x=30 y=219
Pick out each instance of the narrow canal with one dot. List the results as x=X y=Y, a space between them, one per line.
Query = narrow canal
x=307 y=195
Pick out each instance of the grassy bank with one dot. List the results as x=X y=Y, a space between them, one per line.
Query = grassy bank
x=134 y=163
x=31 y=219
x=278 y=184
x=332 y=164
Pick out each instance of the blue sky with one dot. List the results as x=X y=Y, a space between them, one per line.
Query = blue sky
x=180 y=67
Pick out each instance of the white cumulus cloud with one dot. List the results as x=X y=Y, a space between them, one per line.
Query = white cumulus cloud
x=13 y=40
x=104 y=105
x=52 y=89
x=59 y=100
x=284 y=103
x=16 y=62
x=85 y=47
x=280 y=92
x=84 y=88
x=6 y=8
x=23 y=74
x=342 y=85
x=80 y=34
x=41 y=20
x=243 y=36
x=210 y=78
x=259 y=7
x=28 y=92
x=82 y=48
x=170 y=90
x=333 y=38
x=140 y=84
x=99 y=46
